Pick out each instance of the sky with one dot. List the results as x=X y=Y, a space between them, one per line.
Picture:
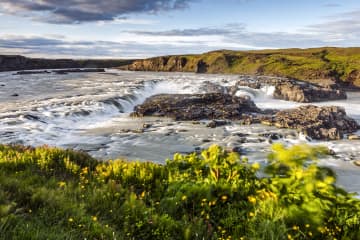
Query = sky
x=146 y=28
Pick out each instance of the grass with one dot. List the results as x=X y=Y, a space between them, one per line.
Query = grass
x=49 y=193
x=341 y=64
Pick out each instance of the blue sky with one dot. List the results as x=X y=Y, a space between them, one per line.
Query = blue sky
x=146 y=28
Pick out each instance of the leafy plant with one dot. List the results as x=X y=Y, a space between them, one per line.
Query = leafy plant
x=49 y=193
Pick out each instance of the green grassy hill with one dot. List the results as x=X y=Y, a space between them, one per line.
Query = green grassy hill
x=315 y=64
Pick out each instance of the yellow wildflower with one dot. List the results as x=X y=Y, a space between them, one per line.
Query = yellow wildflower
x=94 y=218
x=255 y=166
x=70 y=219
x=62 y=184
x=252 y=199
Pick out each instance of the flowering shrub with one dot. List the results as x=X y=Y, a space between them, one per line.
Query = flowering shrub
x=49 y=193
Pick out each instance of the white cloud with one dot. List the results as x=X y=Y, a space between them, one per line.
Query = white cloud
x=75 y=11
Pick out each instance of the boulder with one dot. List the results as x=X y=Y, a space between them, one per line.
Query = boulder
x=322 y=123
x=211 y=87
x=217 y=123
x=306 y=92
x=294 y=90
x=354 y=137
x=196 y=106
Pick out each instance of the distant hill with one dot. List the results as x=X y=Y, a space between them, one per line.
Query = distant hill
x=315 y=64
x=17 y=62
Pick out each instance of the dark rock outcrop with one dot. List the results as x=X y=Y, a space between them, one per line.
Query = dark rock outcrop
x=166 y=63
x=211 y=87
x=293 y=90
x=201 y=67
x=325 y=123
x=196 y=106
x=306 y=92
x=217 y=123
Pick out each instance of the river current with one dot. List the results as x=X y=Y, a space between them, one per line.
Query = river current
x=90 y=112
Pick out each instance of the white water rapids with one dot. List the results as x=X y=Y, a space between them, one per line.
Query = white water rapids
x=90 y=112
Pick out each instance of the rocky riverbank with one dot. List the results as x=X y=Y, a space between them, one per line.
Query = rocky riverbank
x=321 y=123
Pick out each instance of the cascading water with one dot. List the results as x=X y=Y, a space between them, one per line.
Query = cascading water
x=91 y=112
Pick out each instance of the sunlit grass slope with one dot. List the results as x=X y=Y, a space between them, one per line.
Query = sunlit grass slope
x=48 y=193
x=314 y=64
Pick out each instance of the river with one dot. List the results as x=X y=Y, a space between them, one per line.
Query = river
x=90 y=112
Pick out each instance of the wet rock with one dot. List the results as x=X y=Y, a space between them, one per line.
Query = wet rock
x=267 y=122
x=197 y=149
x=293 y=135
x=146 y=125
x=357 y=163
x=272 y=136
x=354 y=137
x=331 y=152
x=217 y=123
x=239 y=134
x=14 y=95
x=125 y=130
x=306 y=92
x=294 y=90
x=249 y=119
x=236 y=149
x=137 y=131
x=182 y=130
x=255 y=140
x=322 y=123
x=33 y=118
x=210 y=87
x=196 y=106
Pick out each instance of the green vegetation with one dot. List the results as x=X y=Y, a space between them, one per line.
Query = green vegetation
x=315 y=64
x=48 y=193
